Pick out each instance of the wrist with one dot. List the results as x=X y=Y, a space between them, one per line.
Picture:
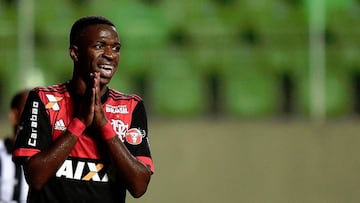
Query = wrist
x=76 y=127
x=107 y=131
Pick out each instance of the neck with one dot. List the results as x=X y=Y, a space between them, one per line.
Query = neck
x=79 y=86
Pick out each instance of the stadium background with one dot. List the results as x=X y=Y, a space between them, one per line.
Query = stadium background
x=235 y=112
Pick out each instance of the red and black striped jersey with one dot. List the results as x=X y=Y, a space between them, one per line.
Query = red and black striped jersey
x=86 y=175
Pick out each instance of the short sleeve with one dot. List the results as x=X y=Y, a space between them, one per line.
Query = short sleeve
x=137 y=138
x=34 y=133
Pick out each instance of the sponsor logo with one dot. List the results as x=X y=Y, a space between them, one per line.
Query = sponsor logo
x=59 y=125
x=120 y=128
x=122 y=109
x=33 y=123
x=134 y=136
x=80 y=170
x=53 y=102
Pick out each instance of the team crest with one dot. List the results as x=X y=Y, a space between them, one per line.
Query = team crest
x=120 y=128
x=134 y=136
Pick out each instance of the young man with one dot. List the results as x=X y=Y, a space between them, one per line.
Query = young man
x=82 y=141
x=13 y=187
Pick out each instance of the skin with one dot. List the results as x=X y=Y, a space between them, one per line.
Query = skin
x=100 y=45
x=15 y=114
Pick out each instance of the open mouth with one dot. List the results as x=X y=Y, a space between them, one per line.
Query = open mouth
x=106 y=70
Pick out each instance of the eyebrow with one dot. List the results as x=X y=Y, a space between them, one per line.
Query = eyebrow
x=103 y=41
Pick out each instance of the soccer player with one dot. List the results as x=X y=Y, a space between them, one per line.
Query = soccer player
x=13 y=187
x=82 y=141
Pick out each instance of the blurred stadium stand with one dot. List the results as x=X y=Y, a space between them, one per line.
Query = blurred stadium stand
x=207 y=57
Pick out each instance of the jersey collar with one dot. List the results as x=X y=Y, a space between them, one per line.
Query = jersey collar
x=70 y=88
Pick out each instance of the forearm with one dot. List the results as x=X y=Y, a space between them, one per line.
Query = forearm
x=133 y=172
x=42 y=166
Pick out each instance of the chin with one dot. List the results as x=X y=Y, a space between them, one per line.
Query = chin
x=104 y=81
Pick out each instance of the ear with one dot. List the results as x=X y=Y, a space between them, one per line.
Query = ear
x=74 y=53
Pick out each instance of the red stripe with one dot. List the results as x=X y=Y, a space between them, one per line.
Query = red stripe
x=116 y=95
x=25 y=152
x=147 y=161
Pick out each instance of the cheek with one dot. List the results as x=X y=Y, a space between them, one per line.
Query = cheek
x=93 y=59
x=118 y=57
x=92 y=55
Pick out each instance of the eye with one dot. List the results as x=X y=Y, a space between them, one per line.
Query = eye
x=117 y=48
x=99 y=46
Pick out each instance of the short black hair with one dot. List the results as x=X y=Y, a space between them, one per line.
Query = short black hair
x=83 y=22
x=19 y=99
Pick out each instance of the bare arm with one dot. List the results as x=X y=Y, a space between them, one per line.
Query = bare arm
x=42 y=166
x=132 y=171
x=135 y=174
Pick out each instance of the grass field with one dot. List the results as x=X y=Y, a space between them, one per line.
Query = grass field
x=254 y=162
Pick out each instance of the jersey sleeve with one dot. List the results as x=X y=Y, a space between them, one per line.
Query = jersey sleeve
x=34 y=133
x=140 y=147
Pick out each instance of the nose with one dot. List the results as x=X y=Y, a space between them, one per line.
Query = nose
x=108 y=53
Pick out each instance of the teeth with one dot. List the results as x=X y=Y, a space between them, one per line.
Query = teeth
x=108 y=67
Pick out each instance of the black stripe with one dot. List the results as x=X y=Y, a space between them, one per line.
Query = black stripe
x=16 y=195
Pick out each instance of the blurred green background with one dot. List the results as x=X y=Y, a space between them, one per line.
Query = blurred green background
x=235 y=58
x=248 y=101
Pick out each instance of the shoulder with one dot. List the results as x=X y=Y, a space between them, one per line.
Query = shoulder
x=3 y=146
x=116 y=95
x=57 y=88
x=53 y=93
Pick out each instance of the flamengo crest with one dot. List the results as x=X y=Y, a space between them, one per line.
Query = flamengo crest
x=120 y=128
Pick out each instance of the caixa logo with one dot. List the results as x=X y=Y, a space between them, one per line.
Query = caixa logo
x=80 y=170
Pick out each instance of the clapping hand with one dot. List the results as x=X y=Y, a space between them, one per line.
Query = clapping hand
x=99 y=118
x=89 y=109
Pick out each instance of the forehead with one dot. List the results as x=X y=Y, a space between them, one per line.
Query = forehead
x=98 y=32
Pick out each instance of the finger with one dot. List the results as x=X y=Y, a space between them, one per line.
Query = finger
x=97 y=88
x=92 y=79
x=92 y=90
x=92 y=99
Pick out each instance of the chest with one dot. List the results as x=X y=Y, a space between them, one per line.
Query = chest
x=118 y=113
